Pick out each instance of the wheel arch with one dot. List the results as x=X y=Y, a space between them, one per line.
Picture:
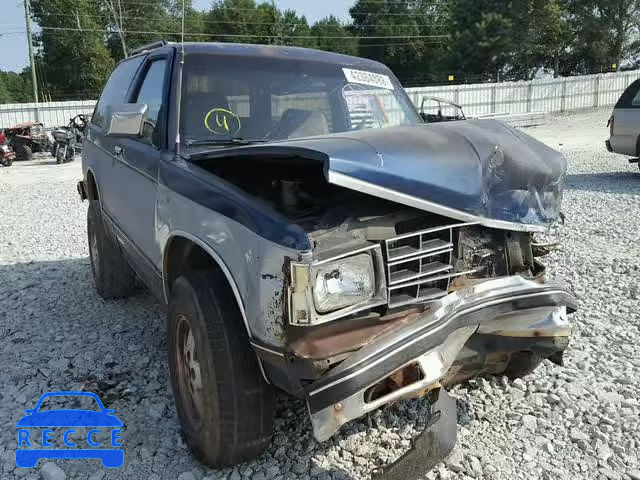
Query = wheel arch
x=180 y=246
x=184 y=252
x=93 y=193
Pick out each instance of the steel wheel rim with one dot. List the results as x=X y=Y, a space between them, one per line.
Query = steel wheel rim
x=93 y=252
x=188 y=370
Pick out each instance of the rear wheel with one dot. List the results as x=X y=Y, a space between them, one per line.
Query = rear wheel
x=23 y=152
x=60 y=154
x=112 y=275
x=224 y=405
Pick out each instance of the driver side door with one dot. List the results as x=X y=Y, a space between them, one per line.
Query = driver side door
x=136 y=163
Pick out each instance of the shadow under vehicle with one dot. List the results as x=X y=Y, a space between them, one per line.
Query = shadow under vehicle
x=308 y=231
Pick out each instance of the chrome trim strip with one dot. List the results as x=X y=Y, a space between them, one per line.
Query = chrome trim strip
x=423 y=276
x=420 y=254
x=429 y=279
x=273 y=352
x=429 y=230
x=412 y=201
x=426 y=334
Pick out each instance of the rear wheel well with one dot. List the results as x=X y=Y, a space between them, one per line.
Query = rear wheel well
x=184 y=255
x=92 y=187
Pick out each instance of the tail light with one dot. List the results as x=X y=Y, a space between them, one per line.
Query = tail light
x=610 y=125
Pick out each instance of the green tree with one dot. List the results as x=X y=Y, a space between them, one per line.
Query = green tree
x=402 y=35
x=73 y=53
x=242 y=21
x=482 y=41
x=16 y=87
x=605 y=32
x=326 y=33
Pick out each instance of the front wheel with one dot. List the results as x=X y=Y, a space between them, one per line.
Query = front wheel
x=224 y=405
x=113 y=277
x=24 y=152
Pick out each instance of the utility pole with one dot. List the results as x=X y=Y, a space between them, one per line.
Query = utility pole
x=34 y=79
x=276 y=26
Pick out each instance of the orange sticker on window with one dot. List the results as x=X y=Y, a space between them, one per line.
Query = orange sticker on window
x=221 y=121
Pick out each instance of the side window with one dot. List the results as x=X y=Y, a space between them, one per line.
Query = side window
x=115 y=89
x=151 y=92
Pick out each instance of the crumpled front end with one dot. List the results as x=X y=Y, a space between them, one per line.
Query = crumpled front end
x=485 y=328
x=398 y=312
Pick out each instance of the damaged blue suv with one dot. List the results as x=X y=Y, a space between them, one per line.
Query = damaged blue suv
x=309 y=232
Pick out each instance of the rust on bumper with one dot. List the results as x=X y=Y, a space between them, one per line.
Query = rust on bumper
x=509 y=310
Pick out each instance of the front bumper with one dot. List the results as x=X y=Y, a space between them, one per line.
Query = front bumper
x=510 y=308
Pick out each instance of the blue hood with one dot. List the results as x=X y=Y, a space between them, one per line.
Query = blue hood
x=474 y=170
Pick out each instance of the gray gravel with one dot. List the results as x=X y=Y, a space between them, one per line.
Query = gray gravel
x=577 y=421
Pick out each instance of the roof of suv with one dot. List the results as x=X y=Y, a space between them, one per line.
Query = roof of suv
x=273 y=51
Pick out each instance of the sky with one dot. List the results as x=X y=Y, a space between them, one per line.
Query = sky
x=13 y=41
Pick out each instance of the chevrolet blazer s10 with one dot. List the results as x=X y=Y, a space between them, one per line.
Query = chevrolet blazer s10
x=309 y=232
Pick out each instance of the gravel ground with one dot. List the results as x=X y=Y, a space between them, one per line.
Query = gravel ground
x=577 y=421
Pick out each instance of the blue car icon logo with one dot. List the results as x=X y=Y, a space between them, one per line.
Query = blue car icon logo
x=64 y=433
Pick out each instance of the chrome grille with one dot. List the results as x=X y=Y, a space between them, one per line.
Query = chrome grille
x=419 y=266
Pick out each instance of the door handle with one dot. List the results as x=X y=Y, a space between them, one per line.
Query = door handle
x=117 y=150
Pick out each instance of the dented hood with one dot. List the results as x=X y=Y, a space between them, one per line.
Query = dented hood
x=473 y=170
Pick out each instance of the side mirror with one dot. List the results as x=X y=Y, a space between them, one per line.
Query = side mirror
x=126 y=120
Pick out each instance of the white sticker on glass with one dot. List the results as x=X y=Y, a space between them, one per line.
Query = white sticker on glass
x=368 y=78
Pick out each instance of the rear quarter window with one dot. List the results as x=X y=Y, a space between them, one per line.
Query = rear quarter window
x=116 y=88
x=631 y=96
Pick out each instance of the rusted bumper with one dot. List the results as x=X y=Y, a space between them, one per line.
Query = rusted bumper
x=511 y=308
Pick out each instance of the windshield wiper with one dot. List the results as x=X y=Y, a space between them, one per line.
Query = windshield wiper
x=226 y=141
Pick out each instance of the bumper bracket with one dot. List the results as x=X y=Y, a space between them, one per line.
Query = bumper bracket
x=430 y=447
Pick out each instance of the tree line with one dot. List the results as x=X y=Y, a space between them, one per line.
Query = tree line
x=423 y=41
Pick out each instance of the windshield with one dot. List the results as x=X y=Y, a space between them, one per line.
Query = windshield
x=264 y=99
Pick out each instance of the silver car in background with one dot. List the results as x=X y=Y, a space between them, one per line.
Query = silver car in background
x=624 y=124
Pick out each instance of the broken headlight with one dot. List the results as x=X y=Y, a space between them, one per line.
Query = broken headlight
x=343 y=283
x=336 y=287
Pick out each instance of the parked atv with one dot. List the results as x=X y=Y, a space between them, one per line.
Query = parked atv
x=28 y=138
x=440 y=110
x=67 y=141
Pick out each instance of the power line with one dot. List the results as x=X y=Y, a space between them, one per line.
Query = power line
x=234 y=35
x=234 y=22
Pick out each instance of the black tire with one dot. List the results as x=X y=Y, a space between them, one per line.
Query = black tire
x=113 y=277
x=23 y=152
x=224 y=405
x=71 y=154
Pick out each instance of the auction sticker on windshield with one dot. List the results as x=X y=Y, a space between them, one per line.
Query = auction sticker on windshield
x=368 y=78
